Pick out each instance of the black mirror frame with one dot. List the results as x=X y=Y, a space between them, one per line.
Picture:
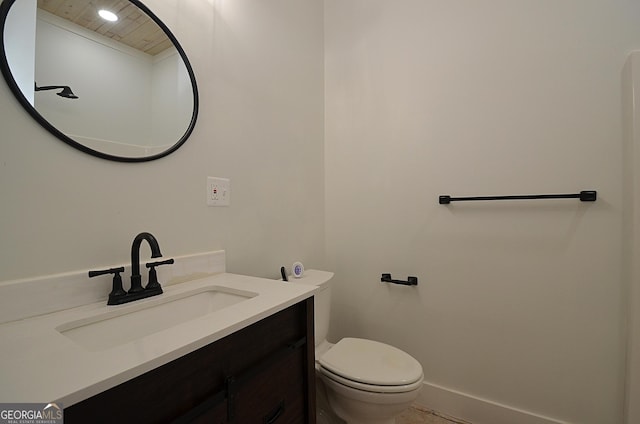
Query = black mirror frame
x=5 y=6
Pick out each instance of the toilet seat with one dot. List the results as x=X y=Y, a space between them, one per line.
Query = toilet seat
x=371 y=366
x=371 y=388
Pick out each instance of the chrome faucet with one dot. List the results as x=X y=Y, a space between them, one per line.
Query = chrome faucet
x=118 y=296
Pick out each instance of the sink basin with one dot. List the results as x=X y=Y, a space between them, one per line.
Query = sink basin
x=133 y=321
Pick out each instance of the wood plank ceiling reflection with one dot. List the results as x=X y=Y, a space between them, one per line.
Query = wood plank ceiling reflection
x=133 y=28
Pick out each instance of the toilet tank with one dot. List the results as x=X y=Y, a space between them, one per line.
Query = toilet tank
x=321 y=300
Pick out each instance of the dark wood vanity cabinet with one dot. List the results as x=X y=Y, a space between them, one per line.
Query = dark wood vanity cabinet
x=263 y=373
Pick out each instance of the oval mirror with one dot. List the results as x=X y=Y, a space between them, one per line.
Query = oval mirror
x=105 y=76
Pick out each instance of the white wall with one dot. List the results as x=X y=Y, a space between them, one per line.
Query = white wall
x=519 y=313
x=631 y=231
x=21 y=29
x=171 y=98
x=260 y=125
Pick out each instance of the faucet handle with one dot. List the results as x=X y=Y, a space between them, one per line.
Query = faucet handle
x=153 y=276
x=116 y=291
x=106 y=271
x=154 y=264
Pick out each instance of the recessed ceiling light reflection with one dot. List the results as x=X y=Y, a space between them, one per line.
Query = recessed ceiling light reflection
x=107 y=15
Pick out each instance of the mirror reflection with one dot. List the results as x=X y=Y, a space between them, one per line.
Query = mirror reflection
x=103 y=73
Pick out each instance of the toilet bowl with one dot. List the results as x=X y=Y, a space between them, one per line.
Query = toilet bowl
x=364 y=381
x=368 y=381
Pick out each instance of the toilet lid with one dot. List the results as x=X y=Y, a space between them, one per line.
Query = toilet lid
x=371 y=362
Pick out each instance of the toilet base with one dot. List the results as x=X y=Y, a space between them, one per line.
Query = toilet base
x=364 y=413
x=358 y=407
x=324 y=413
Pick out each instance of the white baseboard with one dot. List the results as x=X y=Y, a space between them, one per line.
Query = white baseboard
x=474 y=409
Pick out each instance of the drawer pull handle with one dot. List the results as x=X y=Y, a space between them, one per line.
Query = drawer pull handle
x=272 y=416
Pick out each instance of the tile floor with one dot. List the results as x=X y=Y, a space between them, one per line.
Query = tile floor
x=417 y=415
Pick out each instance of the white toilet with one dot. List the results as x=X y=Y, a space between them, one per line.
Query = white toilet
x=365 y=381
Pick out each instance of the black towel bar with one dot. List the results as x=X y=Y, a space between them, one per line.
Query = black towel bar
x=584 y=196
x=411 y=281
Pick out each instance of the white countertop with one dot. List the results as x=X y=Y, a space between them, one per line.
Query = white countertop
x=39 y=364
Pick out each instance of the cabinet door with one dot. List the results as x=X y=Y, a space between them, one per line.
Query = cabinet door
x=215 y=415
x=274 y=395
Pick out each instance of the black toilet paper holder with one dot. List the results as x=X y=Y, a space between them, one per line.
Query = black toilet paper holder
x=411 y=281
